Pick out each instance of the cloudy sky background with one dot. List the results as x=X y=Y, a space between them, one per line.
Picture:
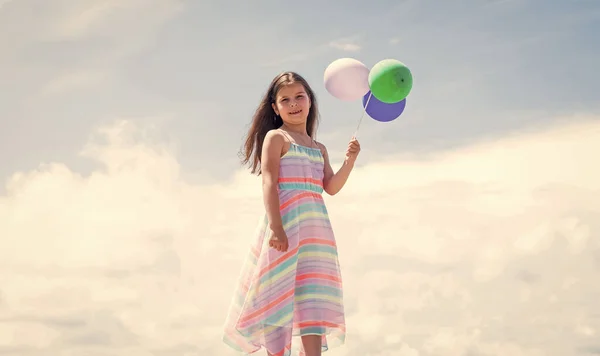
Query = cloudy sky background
x=470 y=227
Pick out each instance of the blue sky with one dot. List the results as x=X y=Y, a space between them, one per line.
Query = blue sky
x=481 y=69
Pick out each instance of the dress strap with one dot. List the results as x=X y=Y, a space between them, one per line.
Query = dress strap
x=289 y=138
x=286 y=135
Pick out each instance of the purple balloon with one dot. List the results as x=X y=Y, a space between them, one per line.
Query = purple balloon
x=381 y=111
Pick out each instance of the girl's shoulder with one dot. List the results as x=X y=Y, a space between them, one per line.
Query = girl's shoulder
x=319 y=144
x=276 y=139
x=275 y=134
x=321 y=147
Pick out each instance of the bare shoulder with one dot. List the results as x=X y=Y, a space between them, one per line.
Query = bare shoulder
x=275 y=136
x=275 y=141
x=321 y=147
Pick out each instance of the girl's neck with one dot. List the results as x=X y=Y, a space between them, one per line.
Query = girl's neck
x=298 y=129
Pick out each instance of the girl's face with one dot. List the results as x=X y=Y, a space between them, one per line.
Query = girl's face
x=292 y=104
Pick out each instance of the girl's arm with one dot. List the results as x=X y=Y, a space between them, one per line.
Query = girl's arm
x=334 y=182
x=270 y=157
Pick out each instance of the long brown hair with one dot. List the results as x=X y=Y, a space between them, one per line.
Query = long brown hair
x=265 y=119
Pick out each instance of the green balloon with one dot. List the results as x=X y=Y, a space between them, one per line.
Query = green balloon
x=390 y=81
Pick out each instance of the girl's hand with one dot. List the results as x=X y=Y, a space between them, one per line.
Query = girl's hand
x=279 y=241
x=353 y=150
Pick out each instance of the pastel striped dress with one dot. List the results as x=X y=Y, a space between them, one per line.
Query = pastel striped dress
x=282 y=295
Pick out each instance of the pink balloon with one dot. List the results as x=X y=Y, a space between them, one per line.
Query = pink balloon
x=347 y=79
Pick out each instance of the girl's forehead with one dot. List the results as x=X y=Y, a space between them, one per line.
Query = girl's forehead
x=291 y=89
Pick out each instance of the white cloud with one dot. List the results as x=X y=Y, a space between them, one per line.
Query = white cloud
x=4 y=3
x=346 y=44
x=110 y=18
x=94 y=36
x=74 y=80
x=349 y=44
x=346 y=47
x=297 y=57
x=489 y=250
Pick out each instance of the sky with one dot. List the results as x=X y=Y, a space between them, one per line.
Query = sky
x=470 y=225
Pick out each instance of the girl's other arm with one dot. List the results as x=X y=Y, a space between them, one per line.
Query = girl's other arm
x=334 y=182
x=270 y=157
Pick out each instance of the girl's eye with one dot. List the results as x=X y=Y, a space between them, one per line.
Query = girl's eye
x=283 y=100
x=300 y=96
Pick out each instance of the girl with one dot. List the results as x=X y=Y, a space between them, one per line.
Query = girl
x=291 y=283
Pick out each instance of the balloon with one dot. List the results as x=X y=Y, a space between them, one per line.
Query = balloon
x=381 y=111
x=347 y=79
x=390 y=81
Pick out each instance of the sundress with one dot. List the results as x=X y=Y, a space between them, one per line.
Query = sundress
x=298 y=292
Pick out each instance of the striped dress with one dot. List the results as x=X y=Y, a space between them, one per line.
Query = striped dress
x=282 y=295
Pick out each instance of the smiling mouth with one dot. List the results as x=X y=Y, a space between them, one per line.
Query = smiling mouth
x=296 y=112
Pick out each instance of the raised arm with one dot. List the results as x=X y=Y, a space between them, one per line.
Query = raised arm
x=334 y=182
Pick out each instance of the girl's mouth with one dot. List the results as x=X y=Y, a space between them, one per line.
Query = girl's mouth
x=296 y=112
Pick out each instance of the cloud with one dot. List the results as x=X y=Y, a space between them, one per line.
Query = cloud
x=4 y=3
x=292 y=58
x=73 y=80
x=76 y=44
x=345 y=46
x=492 y=249
x=500 y=2
x=110 y=18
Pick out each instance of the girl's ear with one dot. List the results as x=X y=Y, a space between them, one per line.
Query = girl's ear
x=275 y=109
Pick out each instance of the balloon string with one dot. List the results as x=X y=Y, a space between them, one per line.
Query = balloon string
x=363 y=114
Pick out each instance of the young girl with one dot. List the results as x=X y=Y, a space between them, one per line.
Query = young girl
x=291 y=283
